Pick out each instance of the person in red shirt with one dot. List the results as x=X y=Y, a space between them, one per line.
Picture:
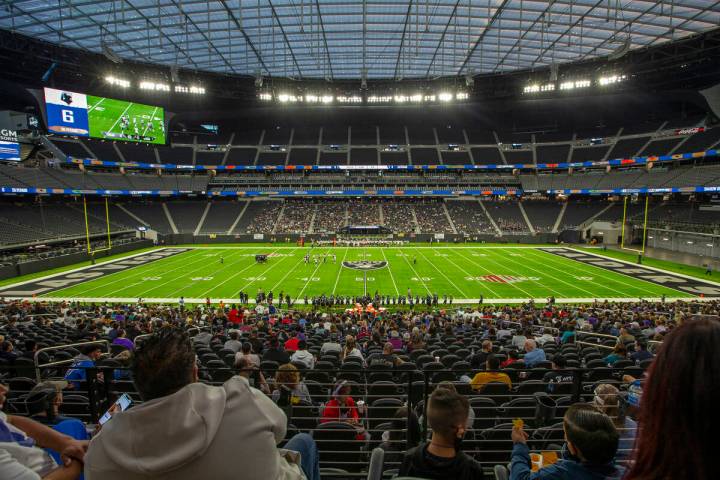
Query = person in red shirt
x=512 y=358
x=235 y=316
x=291 y=345
x=341 y=408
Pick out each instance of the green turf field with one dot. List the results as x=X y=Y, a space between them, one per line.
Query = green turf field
x=105 y=119
x=465 y=272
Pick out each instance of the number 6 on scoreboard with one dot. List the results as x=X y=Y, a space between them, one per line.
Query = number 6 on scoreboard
x=67 y=116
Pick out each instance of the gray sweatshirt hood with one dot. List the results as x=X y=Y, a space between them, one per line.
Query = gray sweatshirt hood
x=145 y=441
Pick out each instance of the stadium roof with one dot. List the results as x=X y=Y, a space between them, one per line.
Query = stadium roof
x=349 y=39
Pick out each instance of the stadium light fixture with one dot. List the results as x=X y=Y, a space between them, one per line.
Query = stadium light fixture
x=158 y=87
x=445 y=96
x=610 y=80
x=197 y=90
x=266 y=97
x=462 y=96
x=571 y=85
x=349 y=99
x=326 y=99
x=430 y=98
x=416 y=98
x=181 y=89
x=311 y=98
x=287 y=98
x=401 y=98
x=119 y=82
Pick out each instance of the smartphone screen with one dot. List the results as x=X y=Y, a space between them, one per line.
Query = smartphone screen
x=120 y=405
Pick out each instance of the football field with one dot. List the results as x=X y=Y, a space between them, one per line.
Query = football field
x=106 y=119
x=510 y=274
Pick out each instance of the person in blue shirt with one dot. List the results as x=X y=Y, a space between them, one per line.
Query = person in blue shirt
x=588 y=454
x=533 y=355
x=641 y=353
x=618 y=353
x=43 y=405
x=568 y=336
x=87 y=358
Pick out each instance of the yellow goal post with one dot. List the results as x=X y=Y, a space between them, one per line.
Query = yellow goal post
x=108 y=245
x=640 y=251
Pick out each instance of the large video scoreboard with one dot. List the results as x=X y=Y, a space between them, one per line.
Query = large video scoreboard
x=72 y=113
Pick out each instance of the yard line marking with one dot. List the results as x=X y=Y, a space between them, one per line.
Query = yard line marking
x=96 y=105
x=397 y=292
x=229 y=278
x=605 y=271
x=606 y=274
x=584 y=271
x=416 y=274
x=285 y=276
x=299 y=295
x=116 y=277
x=540 y=283
x=446 y=277
x=264 y=272
x=164 y=272
x=490 y=272
x=337 y=279
x=121 y=115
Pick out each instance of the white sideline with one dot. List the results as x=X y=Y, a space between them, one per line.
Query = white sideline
x=457 y=302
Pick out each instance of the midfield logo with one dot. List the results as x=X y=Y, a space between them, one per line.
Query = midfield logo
x=506 y=279
x=365 y=265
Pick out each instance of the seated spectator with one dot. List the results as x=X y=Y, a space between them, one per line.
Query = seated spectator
x=471 y=413
x=568 y=336
x=625 y=336
x=233 y=343
x=43 y=405
x=396 y=340
x=641 y=353
x=331 y=345
x=247 y=352
x=7 y=352
x=20 y=457
x=387 y=358
x=401 y=436
x=560 y=374
x=678 y=409
x=589 y=452
x=513 y=356
x=477 y=361
x=533 y=354
x=77 y=373
x=289 y=389
x=442 y=458
x=303 y=356
x=252 y=373
x=122 y=340
x=416 y=342
x=341 y=406
x=30 y=349
x=518 y=340
x=124 y=359
x=351 y=350
x=189 y=430
x=291 y=345
x=491 y=374
x=276 y=353
x=607 y=400
x=618 y=353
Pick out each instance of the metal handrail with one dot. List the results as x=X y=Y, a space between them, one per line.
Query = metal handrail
x=61 y=347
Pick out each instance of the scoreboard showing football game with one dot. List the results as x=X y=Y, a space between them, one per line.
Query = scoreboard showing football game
x=71 y=113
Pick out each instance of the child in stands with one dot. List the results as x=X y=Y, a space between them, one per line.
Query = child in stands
x=589 y=452
x=442 y=458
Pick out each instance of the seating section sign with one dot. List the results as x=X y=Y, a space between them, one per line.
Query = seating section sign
x=9 y=146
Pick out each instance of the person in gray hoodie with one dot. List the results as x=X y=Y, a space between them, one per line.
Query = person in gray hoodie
x=188 y=430
x=303 y=356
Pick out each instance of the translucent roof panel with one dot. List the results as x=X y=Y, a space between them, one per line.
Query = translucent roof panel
x=346 y=39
